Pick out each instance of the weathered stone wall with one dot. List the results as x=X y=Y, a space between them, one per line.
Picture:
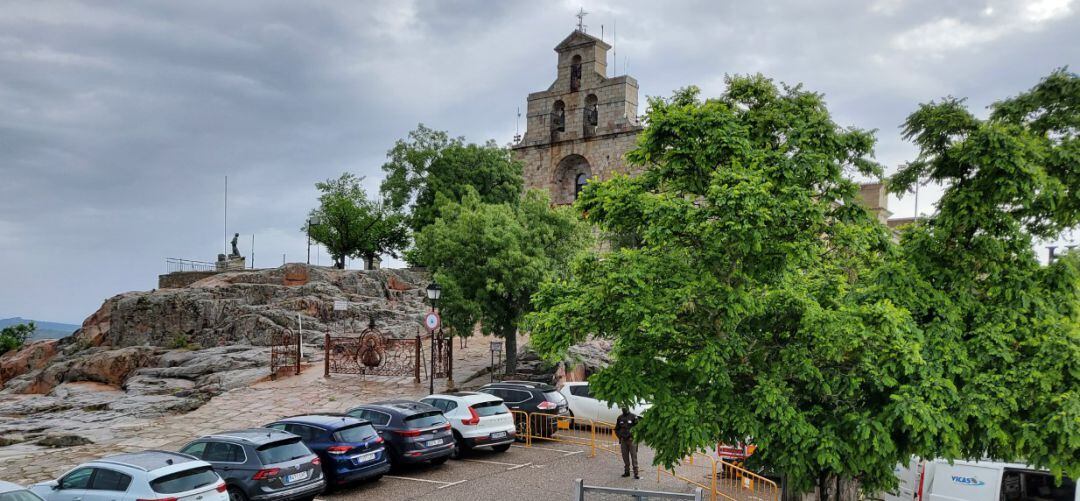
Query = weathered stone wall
x=180 y=279
x=605 y=156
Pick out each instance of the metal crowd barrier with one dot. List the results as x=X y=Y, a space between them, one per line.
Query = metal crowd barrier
x=719 y=479
x=723 y=480
x=584 y=492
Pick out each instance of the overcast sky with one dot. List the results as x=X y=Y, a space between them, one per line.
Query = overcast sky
x=120 y=120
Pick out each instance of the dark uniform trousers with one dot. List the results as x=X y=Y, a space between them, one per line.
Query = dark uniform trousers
x=629 y=453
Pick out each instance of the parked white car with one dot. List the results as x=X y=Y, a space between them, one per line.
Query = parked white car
x=477 y=419
x=16 y=492
x=938 y=480
x=139 y=476
x=584 y=406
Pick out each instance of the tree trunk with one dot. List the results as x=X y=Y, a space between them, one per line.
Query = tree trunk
x=509 y=333
x=369 y=261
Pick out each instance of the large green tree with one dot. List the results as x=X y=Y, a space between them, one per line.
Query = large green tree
x=351 y=225
x=1002 y=328
x=430 y=163
x=757 y=301
x=489 y=258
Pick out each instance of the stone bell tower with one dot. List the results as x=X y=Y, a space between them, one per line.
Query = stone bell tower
x=581 y=126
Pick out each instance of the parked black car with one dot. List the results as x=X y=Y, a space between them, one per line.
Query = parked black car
x=260 y=464
x=349 y=449
x=414 y=432
x=540 y=398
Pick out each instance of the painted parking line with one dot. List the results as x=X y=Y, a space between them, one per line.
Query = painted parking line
x=512 y=466
x=441 y=483
x=564 y=451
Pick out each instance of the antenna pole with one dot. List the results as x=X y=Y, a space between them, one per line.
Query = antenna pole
x=226 y=222
x=615 y=45
x=253 y=251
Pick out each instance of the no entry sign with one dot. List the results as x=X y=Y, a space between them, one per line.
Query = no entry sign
x=432 y=321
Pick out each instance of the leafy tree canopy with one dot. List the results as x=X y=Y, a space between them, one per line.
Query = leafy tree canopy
x=1001 y=327
x=14 y=336
x=758 y=301
x=351 y=225
x=490 y=258
x=431 y=163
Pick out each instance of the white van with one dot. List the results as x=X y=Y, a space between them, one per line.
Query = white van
x=938 y=480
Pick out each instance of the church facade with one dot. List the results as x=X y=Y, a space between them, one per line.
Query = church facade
x=582 y=126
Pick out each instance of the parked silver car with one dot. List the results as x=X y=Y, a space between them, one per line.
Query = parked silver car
x=149 y=476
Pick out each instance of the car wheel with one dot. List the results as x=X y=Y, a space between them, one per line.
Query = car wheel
x=438 y=461
x=236 y=494
x=460 y=447
x=501 y=448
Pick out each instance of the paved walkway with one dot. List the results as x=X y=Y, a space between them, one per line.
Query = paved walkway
x=241 y=408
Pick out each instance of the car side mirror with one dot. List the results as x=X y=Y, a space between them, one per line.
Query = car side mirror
x=54 y=486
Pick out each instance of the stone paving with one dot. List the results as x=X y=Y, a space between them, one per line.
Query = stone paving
x=240 y=408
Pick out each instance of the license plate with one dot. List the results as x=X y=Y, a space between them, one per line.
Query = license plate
x=296 y=477
x=363 y=458
x=431 y=443
x=501 y=434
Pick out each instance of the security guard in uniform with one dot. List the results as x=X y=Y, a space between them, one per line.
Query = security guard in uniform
x=624 y=426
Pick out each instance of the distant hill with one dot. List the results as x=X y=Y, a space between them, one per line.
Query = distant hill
x=45 y=330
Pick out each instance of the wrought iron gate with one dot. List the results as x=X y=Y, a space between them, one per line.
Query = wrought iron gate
x=284 y=353
x=373 y=354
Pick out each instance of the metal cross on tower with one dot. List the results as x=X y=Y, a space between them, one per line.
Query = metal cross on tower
x=581 y=19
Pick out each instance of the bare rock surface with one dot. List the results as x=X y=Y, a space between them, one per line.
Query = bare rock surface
x=148 y=354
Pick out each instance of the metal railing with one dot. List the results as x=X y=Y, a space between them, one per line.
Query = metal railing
x=174 y=265
x=584 y=492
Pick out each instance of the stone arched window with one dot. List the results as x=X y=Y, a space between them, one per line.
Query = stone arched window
x=592 y=114
x=575 y=73
x=579 y=184
x=572 y=173
x=558 y=116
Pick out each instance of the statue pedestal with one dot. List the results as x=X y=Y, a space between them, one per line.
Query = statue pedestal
x=229 y=263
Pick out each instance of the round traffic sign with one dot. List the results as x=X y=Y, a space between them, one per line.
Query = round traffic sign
x=432 y=321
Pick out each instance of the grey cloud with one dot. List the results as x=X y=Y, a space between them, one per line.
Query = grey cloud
x=120 y=120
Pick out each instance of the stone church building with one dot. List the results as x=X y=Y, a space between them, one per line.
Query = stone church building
x=581 y=127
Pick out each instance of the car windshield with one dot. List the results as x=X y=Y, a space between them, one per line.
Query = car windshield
x=425 y=420
x=183 y=481
x=554 y=396
x=282 y=451
x=355 y=433
x=19 y=495
x=490 y=408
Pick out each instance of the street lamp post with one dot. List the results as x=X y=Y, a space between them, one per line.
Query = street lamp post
x=434 y=292
x=312 y=221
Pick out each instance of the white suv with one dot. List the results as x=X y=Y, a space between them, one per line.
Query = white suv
x=478 y=420
x=584 y=405
x=139 y=476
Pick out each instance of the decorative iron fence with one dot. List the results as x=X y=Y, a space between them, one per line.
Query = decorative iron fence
x=174 y=264
x=284 y=353
x=373 y=354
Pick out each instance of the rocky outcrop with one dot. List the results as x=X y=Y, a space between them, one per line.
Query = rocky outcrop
x=31 y=357
x=144 y=354
x=250 y=307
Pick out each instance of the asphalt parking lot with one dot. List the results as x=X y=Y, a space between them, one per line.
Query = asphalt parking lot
x=543 y=471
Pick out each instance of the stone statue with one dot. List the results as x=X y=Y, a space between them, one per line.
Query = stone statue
x=235 y=251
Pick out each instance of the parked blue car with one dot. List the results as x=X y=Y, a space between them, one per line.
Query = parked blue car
x=350 y=448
